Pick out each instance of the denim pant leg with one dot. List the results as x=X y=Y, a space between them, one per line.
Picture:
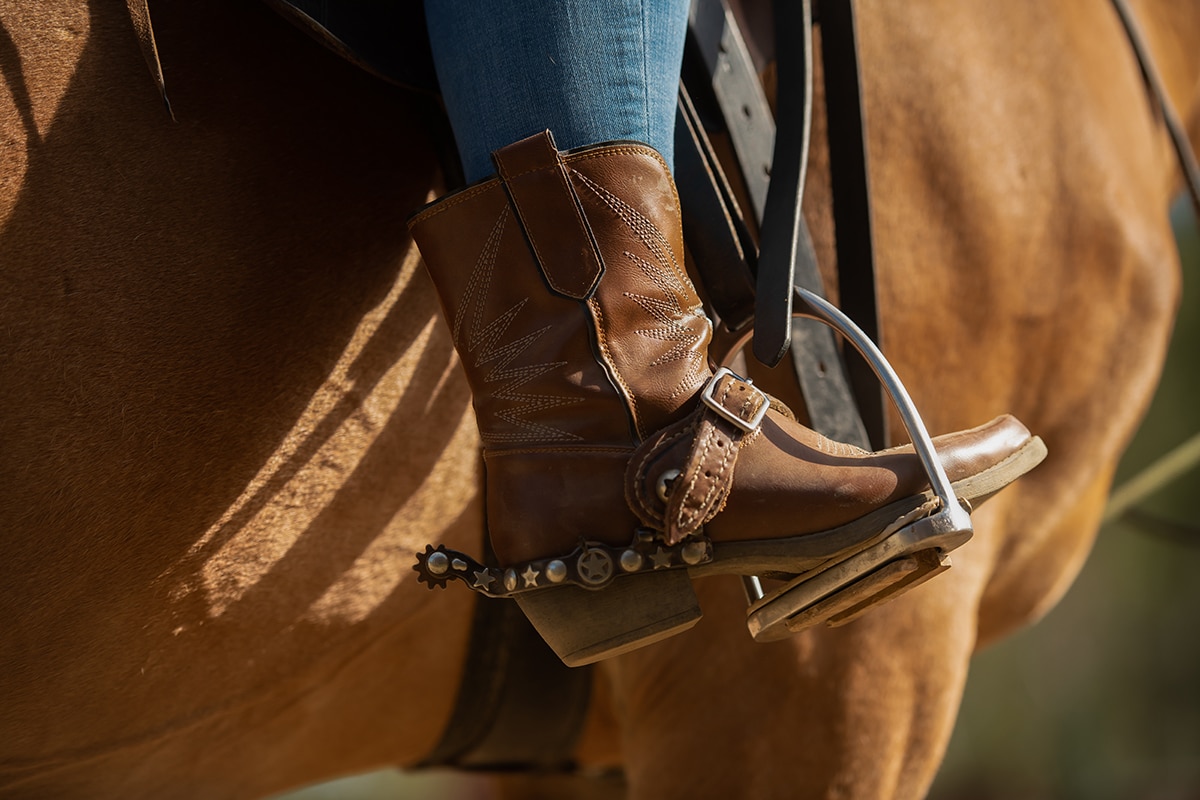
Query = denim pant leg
x=589 y=70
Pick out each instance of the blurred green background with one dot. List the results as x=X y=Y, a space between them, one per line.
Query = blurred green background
x=1100 y=700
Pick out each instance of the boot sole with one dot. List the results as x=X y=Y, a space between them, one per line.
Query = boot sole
x=810 y=552
x=845 y=572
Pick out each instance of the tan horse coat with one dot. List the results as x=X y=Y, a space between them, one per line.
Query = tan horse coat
x=229 y=412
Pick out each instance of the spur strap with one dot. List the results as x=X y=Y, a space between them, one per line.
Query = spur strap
x=679 y=500
x=731 y=412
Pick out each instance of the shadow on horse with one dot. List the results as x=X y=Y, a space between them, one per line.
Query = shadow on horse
x=230 y=412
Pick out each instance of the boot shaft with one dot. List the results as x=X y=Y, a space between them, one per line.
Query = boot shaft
x=564 y=286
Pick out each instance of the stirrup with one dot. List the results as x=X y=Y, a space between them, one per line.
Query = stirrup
x=840 y=592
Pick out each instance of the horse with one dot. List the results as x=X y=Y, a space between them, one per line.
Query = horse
x=231 y=414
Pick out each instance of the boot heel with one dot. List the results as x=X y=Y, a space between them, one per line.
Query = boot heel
x=584 y=626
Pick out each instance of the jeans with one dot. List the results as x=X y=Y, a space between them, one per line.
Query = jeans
x=589 y=70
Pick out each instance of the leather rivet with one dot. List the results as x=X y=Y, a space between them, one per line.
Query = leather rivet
x=666 y=482
x=556 y=571
x=693 y=553
x=510 y=579
x=437 y=563
x=631 y=561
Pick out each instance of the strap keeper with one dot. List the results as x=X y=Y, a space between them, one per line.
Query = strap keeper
x=746 y=425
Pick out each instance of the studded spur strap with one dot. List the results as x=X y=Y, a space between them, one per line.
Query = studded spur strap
x=592 y=565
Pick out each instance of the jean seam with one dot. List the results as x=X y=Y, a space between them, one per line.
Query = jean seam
x=645 y=48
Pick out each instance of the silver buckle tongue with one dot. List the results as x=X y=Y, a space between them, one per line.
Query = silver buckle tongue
x=747 y=426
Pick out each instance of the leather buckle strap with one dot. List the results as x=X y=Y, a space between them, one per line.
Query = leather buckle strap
x=678 y=479
x=747 y=416
x=731 y=411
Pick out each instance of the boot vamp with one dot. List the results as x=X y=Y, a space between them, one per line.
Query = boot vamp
x=970 y=452
x=791 y=481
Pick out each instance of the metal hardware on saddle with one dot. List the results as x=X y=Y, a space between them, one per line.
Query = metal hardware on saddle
x=592 y=565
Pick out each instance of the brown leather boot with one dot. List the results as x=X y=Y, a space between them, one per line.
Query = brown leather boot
x=616 y=462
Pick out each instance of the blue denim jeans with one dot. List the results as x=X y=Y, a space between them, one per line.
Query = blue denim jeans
x=589 y=70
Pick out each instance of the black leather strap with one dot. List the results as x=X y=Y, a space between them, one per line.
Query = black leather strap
x=851 y=202
x=717 y=60
x=739 y=100
x=518 y=707
x=713 y=226
x=1179 y=138
x=780 y=242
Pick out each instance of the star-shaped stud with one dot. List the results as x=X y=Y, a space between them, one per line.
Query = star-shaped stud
x=483 y=579
x=595 y=567
x=661 y=559
x=530 y=575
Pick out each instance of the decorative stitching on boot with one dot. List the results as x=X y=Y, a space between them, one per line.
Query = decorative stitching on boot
x=450 y=201
x=486 y=341
x=674 y=322
x=668 y=313
x=690 y=513
x=610 y=364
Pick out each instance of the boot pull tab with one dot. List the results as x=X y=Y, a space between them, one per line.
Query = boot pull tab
x=548 y=210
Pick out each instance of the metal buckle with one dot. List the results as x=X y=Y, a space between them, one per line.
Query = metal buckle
x=747 y=426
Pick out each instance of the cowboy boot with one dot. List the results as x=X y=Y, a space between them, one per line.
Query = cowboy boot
x=616 y=461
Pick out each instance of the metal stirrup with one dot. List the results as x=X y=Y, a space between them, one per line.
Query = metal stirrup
x=952 y=516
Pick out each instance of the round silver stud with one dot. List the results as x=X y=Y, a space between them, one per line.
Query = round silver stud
x=438 y=563
x=693 y=553
x=665 y=483
x=510 y=579
x=631 y=560
x=595 y=566
x=556 y=571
